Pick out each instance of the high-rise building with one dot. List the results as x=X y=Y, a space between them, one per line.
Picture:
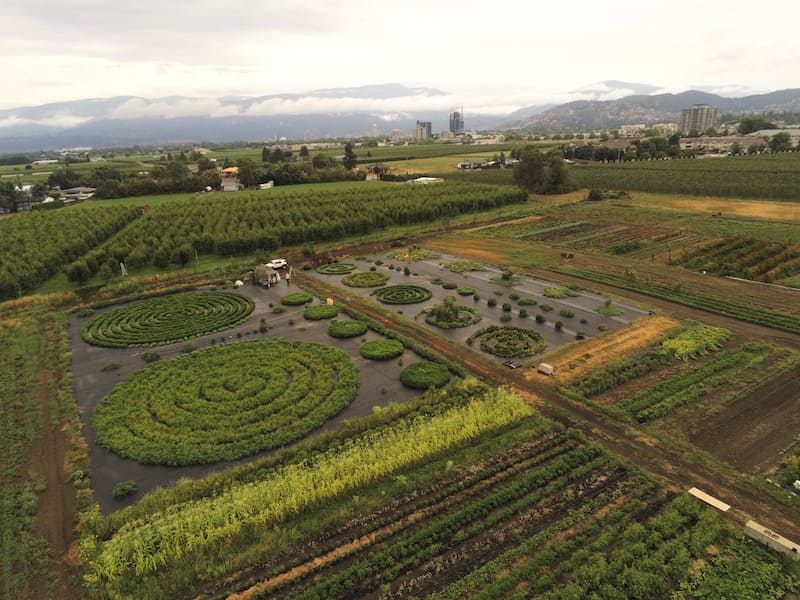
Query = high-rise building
x=457 y=123
x=699 y=118
x=423 y=130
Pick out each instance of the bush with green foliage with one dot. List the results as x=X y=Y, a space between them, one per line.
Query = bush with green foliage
x=448 y=314
x=346 y=329
x=465 y=291
x=124 y=489
x=319 y=312
x=381 y=349
x=425 y=375
x=296 y=299
x=150 y=356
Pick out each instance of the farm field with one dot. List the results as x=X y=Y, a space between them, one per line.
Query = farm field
x=511 y=487
x=768 y=176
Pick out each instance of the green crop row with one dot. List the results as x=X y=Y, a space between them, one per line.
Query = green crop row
x=203 y=526
x=776 y=320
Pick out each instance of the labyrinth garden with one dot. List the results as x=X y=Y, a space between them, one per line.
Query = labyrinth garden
x=226 y=402
x=168 y=319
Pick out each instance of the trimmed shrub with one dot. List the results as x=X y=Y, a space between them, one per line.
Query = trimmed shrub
x=425 y=375
x=527 y=302
x=465 y=291
x=320 y=311
x=297 y=299
x=567 y=314
x=124 y=489
x=150 y=356
x=381 y=349
x=346 y=329
x=449 y=285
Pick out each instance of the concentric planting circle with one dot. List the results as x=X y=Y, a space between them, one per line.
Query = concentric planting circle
x=402 y=294
x=508 y=341
x=336 y=268
x=167 y=319
x=225 y=402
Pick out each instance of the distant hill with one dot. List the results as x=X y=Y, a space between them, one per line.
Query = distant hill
x=658 y=108
x=338 y=113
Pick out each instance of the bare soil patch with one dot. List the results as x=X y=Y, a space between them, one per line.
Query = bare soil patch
x=48 y=459
x=752 y=433
x=577 y=360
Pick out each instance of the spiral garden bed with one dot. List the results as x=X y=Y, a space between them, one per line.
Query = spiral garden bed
x=167 y=319
x=508 y=342
x=365 y=279
x=336 y=268
x=402 y=294
x=225 y=402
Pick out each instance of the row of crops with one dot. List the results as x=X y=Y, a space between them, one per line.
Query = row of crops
x=461 y=492
x=774 y=319
x=35 y=245
x=233 y=224
x=774 y=177
x=689 y=341
x=756 y=259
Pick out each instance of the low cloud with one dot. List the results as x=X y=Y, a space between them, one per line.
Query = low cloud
x=63 y=120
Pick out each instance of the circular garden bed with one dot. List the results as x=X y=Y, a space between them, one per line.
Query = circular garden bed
x=402 y=294
x=366 y=279
x=346 y=329
x=449 y=314
x=320 y=311
x=425 y=375
x=508 y=341
x=381 y=349
x=297 y=299
x=225 y=402
x=336 y=268
x=167 y=319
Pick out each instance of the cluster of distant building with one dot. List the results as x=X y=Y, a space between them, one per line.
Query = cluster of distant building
x=424 y=129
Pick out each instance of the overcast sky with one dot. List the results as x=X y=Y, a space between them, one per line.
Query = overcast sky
x=490 y=56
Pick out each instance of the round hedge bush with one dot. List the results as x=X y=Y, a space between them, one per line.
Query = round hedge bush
x=225 y=402
x=449 y=285
x=425 y=375
x=402 y=294
x=167 y=319
x=297 y=299
x=320 y=311
x=508 y=341
x=346 y=329
x=449 y=314
x=336 y=268
x=466 y=291
x=381 y=349
x=365 y=279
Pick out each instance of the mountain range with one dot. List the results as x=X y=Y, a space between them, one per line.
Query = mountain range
x=340 y=112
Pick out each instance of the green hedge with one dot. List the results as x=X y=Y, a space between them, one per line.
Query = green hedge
x=425 y=375
x=381 y=349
